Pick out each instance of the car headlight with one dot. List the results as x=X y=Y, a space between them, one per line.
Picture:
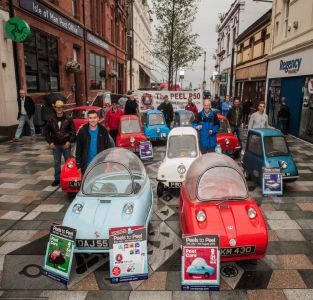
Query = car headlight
x=132 y=139
x=181 y=169
x=128 y=208
x=201 y=217
x=77 y=208
x=227 y=141
x=158 y=130
x=283 y=164
x=70 y=165
x=252 y=213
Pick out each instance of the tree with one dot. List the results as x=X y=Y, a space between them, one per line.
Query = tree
x=175 y=46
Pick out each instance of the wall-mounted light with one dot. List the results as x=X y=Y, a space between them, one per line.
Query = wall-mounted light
x=295 y=24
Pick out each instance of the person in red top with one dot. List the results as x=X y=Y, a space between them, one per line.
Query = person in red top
x=191 y=106
x=112 y=119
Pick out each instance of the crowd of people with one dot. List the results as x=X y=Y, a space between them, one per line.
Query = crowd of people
x=93 y=137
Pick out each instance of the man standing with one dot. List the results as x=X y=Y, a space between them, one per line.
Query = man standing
x=26 y=110
x=234 y=117
x=167 y=108
x=60 y=133
x=283 y=117
x=226 y=106
x=208 y=124
x=92 y=138
x=259 y=119
x=112 y=119
x=191 y=106
x=246 y=107
x=131 y=106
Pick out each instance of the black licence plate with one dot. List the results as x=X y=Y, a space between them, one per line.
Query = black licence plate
x=92 y=243
x=174 y=184
x=75 y=183
x=237 y=251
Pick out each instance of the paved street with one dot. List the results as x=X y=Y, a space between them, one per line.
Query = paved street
x=28 y=206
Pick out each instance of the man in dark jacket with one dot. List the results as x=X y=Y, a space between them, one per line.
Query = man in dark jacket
x=167 y=108
x=26 y=110
x=246 y=108
x=92 y=138
x=283 y=117
x=131 y=106
x=60 y=133
x=208 y=124
x=234 y=117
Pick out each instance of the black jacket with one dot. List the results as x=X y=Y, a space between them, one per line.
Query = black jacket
x=167 y=109
x=83 y=144
x=233 y=117
x=246 y=106
x=29 y=106
x=59 y=136
x=131 y=107
x=283 y=113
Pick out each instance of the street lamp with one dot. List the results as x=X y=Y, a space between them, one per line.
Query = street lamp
x=204 y=81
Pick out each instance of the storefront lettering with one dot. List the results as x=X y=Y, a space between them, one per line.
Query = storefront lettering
x=291 y=66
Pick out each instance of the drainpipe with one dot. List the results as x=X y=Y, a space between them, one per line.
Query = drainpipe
x=85 y=52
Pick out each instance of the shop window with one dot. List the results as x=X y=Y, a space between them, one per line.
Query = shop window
x=97 y=71
x=41 y=62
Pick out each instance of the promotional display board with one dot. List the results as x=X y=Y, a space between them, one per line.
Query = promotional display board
x=272 y=182
x=200 y=263
x=146 y=150
x=152 y=99
x=59 y=253
x=128 y=254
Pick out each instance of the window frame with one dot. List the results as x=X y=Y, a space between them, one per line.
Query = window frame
x=260 y=155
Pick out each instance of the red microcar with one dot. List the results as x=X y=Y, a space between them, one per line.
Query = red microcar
x=214 y=200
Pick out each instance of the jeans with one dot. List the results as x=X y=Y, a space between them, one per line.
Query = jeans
x=236 y=130
x=113 y=134
x=57 y=155
x=22 y=120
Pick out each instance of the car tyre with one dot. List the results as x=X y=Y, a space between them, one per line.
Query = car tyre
x=236 y=154
x=160 y=189
x=206 y=275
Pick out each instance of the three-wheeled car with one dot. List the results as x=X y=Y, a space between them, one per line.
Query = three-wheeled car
x=214 y=200
x=115 y=192
x=226 y=139
x=183 y=118
x=182 y=149
x=130 y=133
x=200 y=267
x=155 y=127
x=268 y=148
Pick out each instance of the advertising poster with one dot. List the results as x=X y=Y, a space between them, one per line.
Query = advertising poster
x=128 y=254
x=272 y=183
x=200 y=263
x=152 y=99
x=59 y=253
x=146 y=150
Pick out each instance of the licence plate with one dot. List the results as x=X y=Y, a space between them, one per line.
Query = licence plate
x=92 y=243
x=75 y=183
x=134 y=149
x=174 y=184
x=237 y=250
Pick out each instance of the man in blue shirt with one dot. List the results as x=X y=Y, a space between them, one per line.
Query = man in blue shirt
x=92 y=138
x=226 y=106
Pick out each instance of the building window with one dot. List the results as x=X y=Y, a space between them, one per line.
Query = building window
x=287 y=5
x=41 y=62
x=91 y=15
x=103 y=17
x=74 y=8
x=97 y=71
x=241 y=52
x=112 y=25
x=263 y=37
x=228 y=44
x=97 y=16
x=251 y=45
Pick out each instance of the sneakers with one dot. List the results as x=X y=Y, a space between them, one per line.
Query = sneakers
x=55 y=183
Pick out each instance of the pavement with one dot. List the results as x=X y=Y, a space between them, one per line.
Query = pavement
x=29 y=205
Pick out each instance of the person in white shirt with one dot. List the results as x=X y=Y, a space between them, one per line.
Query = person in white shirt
x=259 y=119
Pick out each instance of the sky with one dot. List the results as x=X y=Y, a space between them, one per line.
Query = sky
x=204 y=25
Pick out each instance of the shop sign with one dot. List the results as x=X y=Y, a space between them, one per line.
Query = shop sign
x=272 y=183
x=51 y=16
x=98 y=42
x=17 y=29
x=200 y=263
x=128 y=254
x=310 y=86
x=59 y=253
x=290 y=66
x=146 y=150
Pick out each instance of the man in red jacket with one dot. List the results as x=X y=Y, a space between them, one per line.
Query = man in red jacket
x=191 y=106
x=112 y=119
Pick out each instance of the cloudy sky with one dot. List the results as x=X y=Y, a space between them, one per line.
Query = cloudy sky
x=204 y=25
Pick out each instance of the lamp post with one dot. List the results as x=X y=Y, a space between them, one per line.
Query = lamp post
x=204 y=81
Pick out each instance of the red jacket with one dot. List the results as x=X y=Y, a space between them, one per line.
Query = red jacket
x=112 y=119
x=192 y=107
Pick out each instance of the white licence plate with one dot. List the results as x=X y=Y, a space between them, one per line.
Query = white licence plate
x=92 y=243
x=174 y=184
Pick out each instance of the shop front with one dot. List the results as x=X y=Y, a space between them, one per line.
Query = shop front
x=290 y=79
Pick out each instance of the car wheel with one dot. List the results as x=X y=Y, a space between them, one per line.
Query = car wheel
x=206 y=275
x=160 y=189
x=246 y=173
x=236 y=154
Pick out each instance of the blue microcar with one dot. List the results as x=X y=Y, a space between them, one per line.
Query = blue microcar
x=200 y=267
x=115 y=192
x=155 y=127
x=268 y=148
x=183 y=118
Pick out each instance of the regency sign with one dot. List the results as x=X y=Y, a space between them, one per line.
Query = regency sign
x=51 y=16
x=290 y=66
